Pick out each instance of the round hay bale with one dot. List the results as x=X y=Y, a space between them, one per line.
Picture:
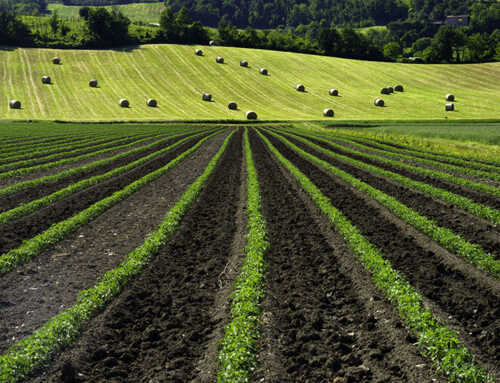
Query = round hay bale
x=151 y=102
x=45 y=80
x=333 y=92
x=399 y=88
x=300 y=88
x=450 y=97
x=56 y=60
x=384 y=91
x=198 y=52
x=263 y=71
x=124 y=103
x=220 y=60
x=449 y=107
x=328 y=112
x=379 y=102
x=251 y=115
x=232 y=105
x=93 y=83
x=244 y=63
x=211 y=43
x=206 y=97
x=390 y=89
x=15 y=104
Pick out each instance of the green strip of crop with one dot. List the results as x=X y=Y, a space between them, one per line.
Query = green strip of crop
x=237 y=354
x=96 y=146
x=32 y=206
x=488 y=189
x=30 y=353
x=449 y=167
x=418 y=154
x=486 y=212
x=12 y=149
x=60 y=230
x=28 y=184
x=473 y=253
x=45 y=152
x=437 y=342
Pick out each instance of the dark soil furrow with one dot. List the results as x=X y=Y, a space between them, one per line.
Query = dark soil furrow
x=51 y=281
x=69 y=155
x=157 y=330
x=13 y=233
x=24 y=196
x=316 y=325
x=420 y=155
x=469 y=300
x=471 y=228
x=454 y=188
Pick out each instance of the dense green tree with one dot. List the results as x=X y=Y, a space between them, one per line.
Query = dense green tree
x=13 y=31
x=392 y=50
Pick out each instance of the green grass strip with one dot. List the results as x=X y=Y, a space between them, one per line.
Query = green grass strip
x=28 y=184
x=60 y=331
x=488 y=189
x=237 y=349
x=17 y=148
x=486 y=212
x=60 y=230
x=32 y=206
x=417 y=154
x=95 y=146
x=437 y=342
x=448 y=167
x=473 y=253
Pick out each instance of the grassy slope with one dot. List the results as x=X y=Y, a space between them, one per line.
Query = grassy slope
x=176 y=78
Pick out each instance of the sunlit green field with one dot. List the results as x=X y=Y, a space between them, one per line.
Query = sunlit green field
x=176 y=77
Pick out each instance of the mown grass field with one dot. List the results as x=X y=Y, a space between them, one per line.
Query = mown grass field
x=176 y=78
x=205 y=252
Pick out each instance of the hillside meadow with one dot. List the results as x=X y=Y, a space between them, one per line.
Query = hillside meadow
x=176 y=78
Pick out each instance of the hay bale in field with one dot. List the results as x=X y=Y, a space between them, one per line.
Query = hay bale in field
x=56 y=60
x=219 y=60
x=379 y=102
x=333 y=92
x=124 y=103
x=450 y=97
x=390 y=89
x=449 y=107
x=15 y=104
x=384 y=91
x=93 y=83
x=151 y=102
x=206 y=97
x=263 y=71
x=198 y=52
x=232 y=105
x=328 y=112
x=45 y=80
x=300 y=88
x=244 y=63
x=211 y=43
x=251 y=115
x=399 y=88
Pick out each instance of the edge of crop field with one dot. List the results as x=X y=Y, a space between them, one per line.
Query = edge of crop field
x=486 y=212
x=237 y=349
x=439 y=343
x=473 y=253
x=58 y=231
x=30 y=353
x=32 y=206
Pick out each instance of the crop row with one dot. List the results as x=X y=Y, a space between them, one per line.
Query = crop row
x=444 y=236
x=31 y=352
x=436 y=341
x=60 y=230
x=482 y=211
x=20 y=146
x=80 y=170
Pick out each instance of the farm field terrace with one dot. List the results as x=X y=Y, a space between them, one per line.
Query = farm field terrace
x=176 y=78
x=199 y=252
